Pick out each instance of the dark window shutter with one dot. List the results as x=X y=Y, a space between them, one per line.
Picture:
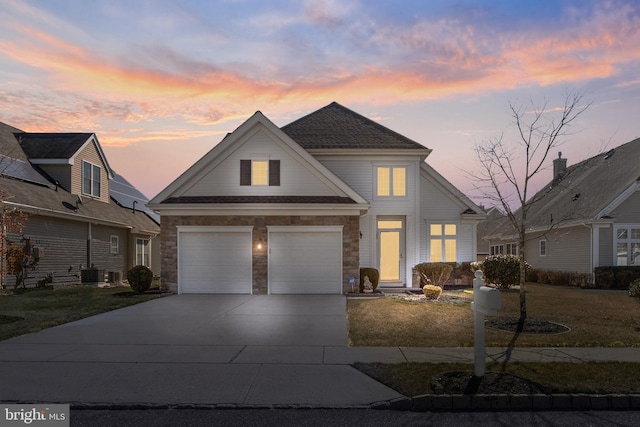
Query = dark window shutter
x=245 y=172
x=274 y=172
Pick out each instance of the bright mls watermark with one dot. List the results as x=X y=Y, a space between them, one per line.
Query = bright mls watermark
x=34 y=415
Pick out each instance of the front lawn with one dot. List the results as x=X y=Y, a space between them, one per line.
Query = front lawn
x=596 y=318
x=32 y=310
x=413 y=379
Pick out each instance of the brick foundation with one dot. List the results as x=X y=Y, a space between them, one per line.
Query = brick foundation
x=169 y=245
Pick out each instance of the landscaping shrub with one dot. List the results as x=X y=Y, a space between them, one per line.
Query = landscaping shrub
x=634 y=289
x=140 y=278
x=503 y=270
x=374 y=277
x=433 y=273
x=618 y=277
x=462 y=273
x=432 y=292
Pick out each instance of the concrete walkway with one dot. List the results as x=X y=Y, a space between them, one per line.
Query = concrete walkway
x=239 y=351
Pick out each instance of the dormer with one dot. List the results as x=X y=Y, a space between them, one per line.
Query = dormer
x=75 y=161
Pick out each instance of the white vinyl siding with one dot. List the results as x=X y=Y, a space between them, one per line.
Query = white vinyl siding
x=567 y=249
x=297 y=178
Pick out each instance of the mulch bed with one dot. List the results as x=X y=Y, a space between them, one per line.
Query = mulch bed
x=531 y=325
x=459 y=382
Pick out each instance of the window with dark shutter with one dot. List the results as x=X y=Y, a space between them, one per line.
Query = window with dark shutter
x=245 y=172
x=274 y=172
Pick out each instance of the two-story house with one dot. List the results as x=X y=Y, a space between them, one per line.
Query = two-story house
x=81 y=214
x=300 y=209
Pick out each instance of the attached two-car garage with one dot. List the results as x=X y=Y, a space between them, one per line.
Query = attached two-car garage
x=300 y=259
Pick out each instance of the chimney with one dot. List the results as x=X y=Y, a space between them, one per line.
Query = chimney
x=559 y=167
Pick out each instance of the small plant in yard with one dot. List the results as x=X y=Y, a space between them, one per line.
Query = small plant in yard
x=140 y=278
x=433 y=273
x=634 y=289
x=432 y=292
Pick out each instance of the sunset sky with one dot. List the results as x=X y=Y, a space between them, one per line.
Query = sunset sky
x=161 y=82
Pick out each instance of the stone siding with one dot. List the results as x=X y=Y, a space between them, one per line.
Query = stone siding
x=169 y=245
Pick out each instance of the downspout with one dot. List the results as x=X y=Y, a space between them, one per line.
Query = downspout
x=89 y=245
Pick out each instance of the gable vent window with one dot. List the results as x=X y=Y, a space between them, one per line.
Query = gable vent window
x=260 y=172
x=90 y=179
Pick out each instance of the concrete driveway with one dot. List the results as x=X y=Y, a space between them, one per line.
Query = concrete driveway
x=194 y=349
x=280 y=320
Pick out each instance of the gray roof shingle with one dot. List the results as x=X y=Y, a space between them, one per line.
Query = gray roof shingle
x=337 y=127
x=52 y=145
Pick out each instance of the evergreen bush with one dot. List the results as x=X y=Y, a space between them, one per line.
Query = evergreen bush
x=140 y=278
x=503 y=270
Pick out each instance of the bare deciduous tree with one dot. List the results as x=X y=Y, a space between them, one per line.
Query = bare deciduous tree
x=507 y=167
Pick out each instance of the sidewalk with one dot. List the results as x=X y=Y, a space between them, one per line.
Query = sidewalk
x=107 y=375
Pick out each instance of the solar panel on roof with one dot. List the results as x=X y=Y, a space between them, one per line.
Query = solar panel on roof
x=21 y=170
x=126 y=194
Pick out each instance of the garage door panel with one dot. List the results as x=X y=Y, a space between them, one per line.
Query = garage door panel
x=305 y=262
x=215 y=262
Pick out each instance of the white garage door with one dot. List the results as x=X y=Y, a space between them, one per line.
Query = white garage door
x=305 y=260
x=214 y=260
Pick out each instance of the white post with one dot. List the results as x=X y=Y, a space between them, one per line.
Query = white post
x=478 y=329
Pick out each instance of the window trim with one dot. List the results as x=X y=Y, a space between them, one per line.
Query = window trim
x=114 y=246
x=628 y=241
x=391 y=175
x=146 y=252
x=444 y=238
x=542 y=247
x=93 y=168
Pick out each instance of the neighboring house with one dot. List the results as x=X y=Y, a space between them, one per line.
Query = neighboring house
x=300 y=209
x=587 y=216
x=494 y=219
x=81 y=213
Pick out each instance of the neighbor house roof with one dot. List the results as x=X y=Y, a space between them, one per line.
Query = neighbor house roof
x=54 y=148
x=27 y=188
x=52 y=145
x=588 y=191
x=337 y=127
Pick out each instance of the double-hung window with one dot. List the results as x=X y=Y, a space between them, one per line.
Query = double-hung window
x=627 y=245
x=142 y=252
x=90 y=179
x=115 y=245
x=443 y=242
x=391 y=181
x=542 y=247
x=260 y=172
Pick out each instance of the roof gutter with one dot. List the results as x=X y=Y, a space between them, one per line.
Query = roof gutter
x=76 y=217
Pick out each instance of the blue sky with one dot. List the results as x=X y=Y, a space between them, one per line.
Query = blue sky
x=161 y=82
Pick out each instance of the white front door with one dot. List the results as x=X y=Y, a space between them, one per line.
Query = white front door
x=390 y=252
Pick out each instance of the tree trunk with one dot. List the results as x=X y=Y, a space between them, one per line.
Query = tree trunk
x=523 y=275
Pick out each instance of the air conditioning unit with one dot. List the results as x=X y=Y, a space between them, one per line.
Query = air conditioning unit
x=114 y=277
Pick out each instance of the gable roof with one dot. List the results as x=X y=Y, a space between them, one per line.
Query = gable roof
x=337 y=127
x=588 y=191
x=56 y=148
x=470 y=208
x=173 y=194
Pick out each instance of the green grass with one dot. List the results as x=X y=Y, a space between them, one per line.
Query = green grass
x=32 y=310
x=413 y=379
x=597 y=319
